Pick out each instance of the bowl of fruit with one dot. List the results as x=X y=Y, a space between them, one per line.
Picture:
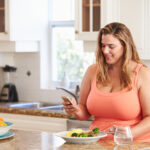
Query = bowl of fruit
x=4 y=126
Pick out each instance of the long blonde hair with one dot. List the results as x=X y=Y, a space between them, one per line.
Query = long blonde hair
x=123 y=34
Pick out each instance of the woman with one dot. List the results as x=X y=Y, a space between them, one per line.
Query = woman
x=115 y=90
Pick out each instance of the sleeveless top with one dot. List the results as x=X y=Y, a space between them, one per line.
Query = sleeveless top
x=120 y=108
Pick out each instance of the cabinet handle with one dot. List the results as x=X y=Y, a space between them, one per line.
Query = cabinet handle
x=76 y=31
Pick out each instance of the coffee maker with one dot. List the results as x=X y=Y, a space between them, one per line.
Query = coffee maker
x=9 y=91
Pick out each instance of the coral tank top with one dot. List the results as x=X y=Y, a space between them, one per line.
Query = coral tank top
x=120 y=108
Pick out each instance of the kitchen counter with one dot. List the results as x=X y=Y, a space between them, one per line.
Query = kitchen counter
x=35 y=112
x=31 y=140
x=28 y=118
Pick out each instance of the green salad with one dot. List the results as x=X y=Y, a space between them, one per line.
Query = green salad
x=92 y=133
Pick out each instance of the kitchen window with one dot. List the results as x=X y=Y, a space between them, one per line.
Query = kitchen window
x=67 y=54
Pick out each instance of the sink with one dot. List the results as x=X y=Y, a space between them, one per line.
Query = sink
x=55 y=107
x=36 y=105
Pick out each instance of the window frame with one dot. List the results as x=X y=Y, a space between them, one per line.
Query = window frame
x=53 y=24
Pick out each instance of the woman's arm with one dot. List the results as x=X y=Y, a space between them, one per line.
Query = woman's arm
x=80 y=110
x=144 y=95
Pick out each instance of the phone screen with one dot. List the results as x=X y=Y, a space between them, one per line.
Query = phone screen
x=66 y=99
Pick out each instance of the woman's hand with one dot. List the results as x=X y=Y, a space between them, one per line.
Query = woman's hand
x=71 y=107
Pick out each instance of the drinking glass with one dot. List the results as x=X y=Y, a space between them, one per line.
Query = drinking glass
x=123 y=135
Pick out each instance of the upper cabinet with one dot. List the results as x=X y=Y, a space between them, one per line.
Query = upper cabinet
x=87 y=19
x=90 y=15
x=2 y=16
x=20 y=25
x=135 y=14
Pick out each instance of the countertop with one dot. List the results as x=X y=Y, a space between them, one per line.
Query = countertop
x=36 y=140
x=36 y=112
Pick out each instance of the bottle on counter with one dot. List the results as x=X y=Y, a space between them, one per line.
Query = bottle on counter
x=65 y=81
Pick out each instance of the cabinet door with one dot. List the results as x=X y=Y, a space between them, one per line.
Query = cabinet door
x=4 y=20
x=35 y=123
x=87 y=19
x=128 y=12
x=2 y=16
x=145 y=52
x=135 y=15
x=22 y=25
x=21 y=20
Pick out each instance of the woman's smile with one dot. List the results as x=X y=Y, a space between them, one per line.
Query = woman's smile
x=108 y=58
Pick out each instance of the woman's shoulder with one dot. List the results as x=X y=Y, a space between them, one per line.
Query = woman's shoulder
x=90 y=72
x=92 y=68
x=144 y=75
x=141 y=68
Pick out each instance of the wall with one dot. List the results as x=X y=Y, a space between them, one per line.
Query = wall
x=147 y=63
x=28 y=87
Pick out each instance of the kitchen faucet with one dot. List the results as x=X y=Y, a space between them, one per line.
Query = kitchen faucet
x=76 y=95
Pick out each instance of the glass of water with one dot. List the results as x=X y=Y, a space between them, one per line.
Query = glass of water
x=123 y=135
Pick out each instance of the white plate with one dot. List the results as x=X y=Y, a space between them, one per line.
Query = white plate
x=7 y=135
x=80 y=140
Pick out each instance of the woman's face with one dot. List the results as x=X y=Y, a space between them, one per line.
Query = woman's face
x=112 y=49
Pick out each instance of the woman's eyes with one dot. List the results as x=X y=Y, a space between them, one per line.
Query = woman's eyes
x=110 y=46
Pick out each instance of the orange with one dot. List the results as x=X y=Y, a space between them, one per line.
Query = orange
x=2 y=123
x=1 y=119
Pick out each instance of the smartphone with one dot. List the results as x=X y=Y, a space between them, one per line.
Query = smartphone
x=66 y=99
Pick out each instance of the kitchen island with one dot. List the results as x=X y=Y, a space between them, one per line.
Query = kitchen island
x=35 y=140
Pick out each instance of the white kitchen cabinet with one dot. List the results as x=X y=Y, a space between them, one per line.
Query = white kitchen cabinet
x=91 y=15
x=87 y=19
x=36 y=123
x=133 y=13
x=20 y=25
